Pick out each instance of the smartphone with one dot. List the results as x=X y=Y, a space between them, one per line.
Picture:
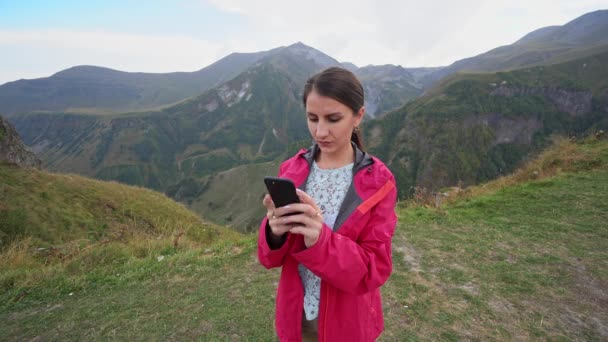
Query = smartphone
x=281 y=190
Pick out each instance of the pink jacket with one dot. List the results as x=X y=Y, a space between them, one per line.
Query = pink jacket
x=353 y=261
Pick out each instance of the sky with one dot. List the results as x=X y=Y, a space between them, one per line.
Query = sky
x=40 y=38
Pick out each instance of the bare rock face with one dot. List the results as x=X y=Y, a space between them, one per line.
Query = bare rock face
x=12 y=149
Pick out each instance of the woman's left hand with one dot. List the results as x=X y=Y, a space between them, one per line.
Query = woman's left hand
x=308 y=221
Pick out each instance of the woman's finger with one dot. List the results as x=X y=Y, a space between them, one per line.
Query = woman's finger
x=297 y=208
x=305 y=198
x=300 y=230
x=311 y=236
x=296 y=220
x=268 y=203
x=277 y=226
x=293 y=209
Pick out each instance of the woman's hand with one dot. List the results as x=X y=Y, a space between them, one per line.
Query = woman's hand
x=273 y=214
x=305 y=218
x=308 y=221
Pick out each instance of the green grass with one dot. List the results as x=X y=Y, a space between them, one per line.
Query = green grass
x=522 y=261
x=526 y=261
x=214 y=295
x=53 y=209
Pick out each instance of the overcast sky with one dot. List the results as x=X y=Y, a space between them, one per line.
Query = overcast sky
x=39 y=38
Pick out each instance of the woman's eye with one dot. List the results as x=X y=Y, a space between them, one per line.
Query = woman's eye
x=334 y=119
x=313 y=119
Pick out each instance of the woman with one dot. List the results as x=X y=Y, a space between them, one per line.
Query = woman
x=335 y=251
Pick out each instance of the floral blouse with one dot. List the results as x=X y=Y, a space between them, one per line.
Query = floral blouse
x=327 y=188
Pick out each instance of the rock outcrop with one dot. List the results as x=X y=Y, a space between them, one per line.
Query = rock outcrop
x=12 y=149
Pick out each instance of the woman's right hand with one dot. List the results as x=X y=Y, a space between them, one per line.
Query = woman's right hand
x=274 y=217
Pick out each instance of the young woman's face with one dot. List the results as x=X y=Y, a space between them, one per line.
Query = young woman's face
x=331 y=123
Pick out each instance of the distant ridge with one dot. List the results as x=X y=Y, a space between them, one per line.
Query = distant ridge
x=583 y=36
x=103 y=90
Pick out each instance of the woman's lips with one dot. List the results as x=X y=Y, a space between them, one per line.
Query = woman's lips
x=324 y=143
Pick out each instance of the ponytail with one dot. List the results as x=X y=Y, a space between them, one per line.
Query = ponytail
x=357 y=138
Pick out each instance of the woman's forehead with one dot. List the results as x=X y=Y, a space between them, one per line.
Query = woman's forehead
x=323 y=105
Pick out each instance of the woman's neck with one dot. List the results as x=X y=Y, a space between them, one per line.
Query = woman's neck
x=336 y=160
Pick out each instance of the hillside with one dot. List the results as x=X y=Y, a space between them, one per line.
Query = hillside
x=475 y=127
x=517 y=259
x=73 y=213
x=232 y=198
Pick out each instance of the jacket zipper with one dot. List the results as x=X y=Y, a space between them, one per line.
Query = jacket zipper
x=325 y=313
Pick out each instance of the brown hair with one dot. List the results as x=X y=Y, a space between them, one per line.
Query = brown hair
x=341 y=85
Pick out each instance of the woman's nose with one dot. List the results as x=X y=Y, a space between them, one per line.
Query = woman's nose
x=322 y=130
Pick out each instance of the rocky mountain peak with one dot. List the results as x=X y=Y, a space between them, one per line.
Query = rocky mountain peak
x=311 y=53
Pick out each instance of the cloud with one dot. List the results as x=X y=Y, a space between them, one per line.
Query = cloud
x=407 y=32
x=31 y=52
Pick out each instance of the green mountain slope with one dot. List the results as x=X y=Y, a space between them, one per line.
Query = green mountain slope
x=232 y=198
x=519 y=262
x=475 y=127
x=250 y=118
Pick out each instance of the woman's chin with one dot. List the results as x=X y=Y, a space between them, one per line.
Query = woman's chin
x=327 y=149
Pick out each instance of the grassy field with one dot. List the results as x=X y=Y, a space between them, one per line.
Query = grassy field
x=522 y=261
x=522 y=258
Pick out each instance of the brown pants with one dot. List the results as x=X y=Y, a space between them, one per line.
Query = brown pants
x=309 y=329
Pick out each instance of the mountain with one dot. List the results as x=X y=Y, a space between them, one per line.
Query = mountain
x=98 y=90
x=12 y=149
x=468 y=129
x=476 y=127
x=588 y=29
x=387 y=87
x=248 y=120
x=584 y=36
x=102 y=90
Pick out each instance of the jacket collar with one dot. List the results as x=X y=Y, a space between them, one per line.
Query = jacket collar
x=362 y=159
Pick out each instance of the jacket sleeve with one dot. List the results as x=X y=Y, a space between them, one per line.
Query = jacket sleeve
x=268 y=256
x=360 y=266
x=272 y=253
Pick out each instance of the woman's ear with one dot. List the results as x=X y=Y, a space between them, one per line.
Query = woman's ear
x=359 y=116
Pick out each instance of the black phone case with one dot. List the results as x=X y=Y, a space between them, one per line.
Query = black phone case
x=281 y=190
